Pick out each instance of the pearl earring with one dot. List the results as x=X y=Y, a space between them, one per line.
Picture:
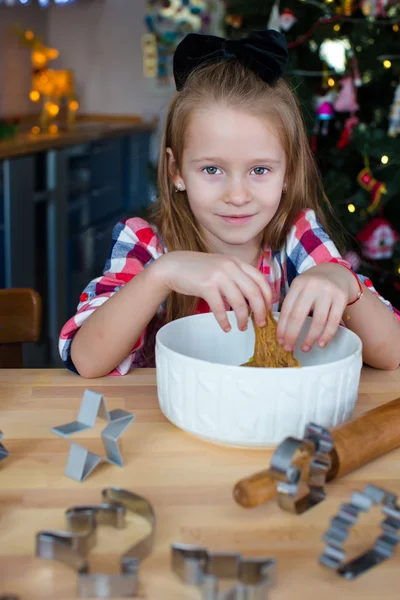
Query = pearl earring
x=179 y=187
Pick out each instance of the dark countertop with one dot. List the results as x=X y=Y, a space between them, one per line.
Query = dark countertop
x=87 y=129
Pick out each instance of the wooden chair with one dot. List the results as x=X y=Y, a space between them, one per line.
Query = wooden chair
x=20 y=322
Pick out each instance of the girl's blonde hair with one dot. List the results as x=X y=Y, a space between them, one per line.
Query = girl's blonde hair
x=232 y=85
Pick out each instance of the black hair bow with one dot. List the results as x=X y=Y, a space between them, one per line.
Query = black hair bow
x=264 y=52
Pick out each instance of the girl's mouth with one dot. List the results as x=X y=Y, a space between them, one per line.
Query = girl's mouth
x=236 y=219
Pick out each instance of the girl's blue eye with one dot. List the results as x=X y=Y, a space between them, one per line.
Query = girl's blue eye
x=211 y=170
x=260 y=170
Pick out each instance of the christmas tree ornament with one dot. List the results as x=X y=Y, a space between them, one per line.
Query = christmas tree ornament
x=349 y=125
x=347 y=98
x=184 y=12
x=356 y=73
x=394 y=117
x=325 y=113
x=347 y=7
x=376 y=188
x=378 y=239
x=374 y=8
x=235 y=21
x=287 y=19
x=354 y=259
x=274 y=21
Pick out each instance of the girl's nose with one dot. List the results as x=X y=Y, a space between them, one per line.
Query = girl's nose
x=238 y=195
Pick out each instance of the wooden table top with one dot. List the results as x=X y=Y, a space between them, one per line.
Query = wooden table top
x=189 y=483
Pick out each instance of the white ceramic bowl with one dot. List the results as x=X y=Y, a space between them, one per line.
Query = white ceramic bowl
x=203 y=390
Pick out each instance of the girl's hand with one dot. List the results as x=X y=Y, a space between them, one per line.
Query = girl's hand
x=324 y=289
x=215 y=278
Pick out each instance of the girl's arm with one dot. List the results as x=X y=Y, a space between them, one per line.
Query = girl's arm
x=369 y=318
x=108 y=336
x=320 y=281
x=135 y=247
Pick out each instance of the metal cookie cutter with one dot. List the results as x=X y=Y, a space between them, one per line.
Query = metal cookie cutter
x=196 y=566
x=81 y=462
x=294 y=493
x=3 y=452
x=72 y=547
x=341 y=524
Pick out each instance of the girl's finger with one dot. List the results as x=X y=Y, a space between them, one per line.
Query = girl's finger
x=320 y=317
x=260 y=281
x=217 y=306
x=287 y=306
x=335 y=316
x=295 y=320
x=234 y=296
x=255 y=298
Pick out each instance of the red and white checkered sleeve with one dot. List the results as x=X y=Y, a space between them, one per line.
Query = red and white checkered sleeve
x=135 y=245
x=309 y=245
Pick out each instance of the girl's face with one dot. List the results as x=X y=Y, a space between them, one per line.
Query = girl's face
x=233 y=169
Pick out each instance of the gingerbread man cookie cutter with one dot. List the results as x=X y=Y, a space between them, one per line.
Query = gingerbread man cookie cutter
x=196 y=566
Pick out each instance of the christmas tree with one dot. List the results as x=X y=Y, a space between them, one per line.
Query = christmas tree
x=344 y=63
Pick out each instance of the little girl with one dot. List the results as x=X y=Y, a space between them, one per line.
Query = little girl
x=238 y=224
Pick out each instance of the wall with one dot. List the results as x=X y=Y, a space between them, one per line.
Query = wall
x=15 y=66
x=102 y=40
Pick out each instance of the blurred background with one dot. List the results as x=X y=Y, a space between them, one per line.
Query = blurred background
x=84 y=87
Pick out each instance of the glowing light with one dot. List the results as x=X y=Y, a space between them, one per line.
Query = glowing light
x=34 y=96
x=336 y=27
x=29 y=35
x=39 y=59
x=35 y=130
x=333 y=52
x=53 y=128
x=74 y=105
x=395 y=27
x=387 y=64
x=384 y=159
x=52 y=109
x=351 y=208
x=331 y=82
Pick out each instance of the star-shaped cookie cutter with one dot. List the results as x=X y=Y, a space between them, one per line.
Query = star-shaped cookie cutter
x=196 y=566
x=82 y=462
x=72 y=547
x=3 y=452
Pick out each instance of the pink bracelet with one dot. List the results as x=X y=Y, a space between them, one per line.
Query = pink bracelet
x=361 y=291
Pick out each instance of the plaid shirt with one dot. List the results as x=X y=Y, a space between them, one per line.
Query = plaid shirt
x=136 y=244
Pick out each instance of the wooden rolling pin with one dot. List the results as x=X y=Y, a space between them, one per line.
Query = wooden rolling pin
x=357 y=442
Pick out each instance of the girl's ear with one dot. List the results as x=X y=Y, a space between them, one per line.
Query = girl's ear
x=173 y=170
